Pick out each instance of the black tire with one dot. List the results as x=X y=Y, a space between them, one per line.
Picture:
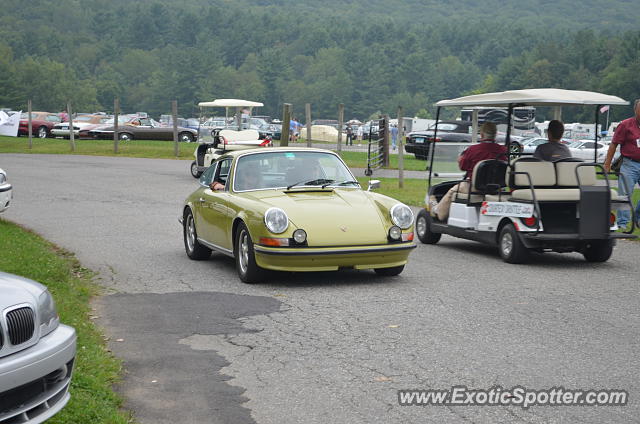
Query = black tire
x=423 y=228
x=598 y=250
x=43 y=132
x=194 y=170
x=185 y=137
x=389 y=272
x=194 y=250
x=515 y=149
x=510 y=246
x=248 y=271
x=125 y=137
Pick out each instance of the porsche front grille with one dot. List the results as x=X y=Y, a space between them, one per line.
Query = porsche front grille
x=20 y=325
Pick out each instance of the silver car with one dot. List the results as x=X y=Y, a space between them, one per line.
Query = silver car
x=6 y=191
x=36 y=353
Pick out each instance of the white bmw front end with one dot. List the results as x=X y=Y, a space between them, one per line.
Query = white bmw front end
x=6 y=191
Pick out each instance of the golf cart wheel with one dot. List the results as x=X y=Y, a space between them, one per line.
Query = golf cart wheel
x=185 y=137
x=423 y=228
x=248 y=269
x=510 y=246
x=43 y=132
x=194 y=249
x=598 y=250
x=125 y=137
x=194 y=170
x=389 y=272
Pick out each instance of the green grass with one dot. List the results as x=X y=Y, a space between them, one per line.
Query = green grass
x=135 y=148
x=411 y=194
x=92 y=398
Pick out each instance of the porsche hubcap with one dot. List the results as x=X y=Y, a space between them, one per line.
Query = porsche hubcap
x=191 y=233
x=243 y=254
x=507 y=244
x=421 y=226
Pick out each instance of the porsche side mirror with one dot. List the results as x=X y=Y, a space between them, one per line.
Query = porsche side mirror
x=373 y=184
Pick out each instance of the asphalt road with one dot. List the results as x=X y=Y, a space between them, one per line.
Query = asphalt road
x=201 y=347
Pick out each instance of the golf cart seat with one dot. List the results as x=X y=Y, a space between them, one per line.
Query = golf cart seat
x=244 y=135
x=551 y=181
x=487 y=182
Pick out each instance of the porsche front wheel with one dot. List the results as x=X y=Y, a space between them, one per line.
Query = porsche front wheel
x=194 y=249
x=248 y=270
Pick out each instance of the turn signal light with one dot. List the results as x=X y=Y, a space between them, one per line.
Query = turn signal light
x=407 y=236
x=272 y=241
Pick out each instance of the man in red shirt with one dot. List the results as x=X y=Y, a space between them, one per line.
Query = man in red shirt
x=627 y=135
x=487 y=148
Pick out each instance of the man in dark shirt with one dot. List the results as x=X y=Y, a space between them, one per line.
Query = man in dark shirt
x=487 y=148
x=553 y=150
x=627 y=135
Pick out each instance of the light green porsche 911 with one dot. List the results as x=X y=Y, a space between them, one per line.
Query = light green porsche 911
x=294 y=209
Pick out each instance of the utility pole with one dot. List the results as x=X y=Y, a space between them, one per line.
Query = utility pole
x=400 y=136
x=340 y=121
x=286 y=124
x=116 y=111
x=307 y=109
x=30 y=124
x=174 y=115
x=72 y=140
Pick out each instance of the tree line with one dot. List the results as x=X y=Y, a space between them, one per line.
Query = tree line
x=149 y=53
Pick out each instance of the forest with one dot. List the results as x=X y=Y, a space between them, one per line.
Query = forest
x=373 y=56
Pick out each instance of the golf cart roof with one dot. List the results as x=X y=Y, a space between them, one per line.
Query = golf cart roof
x=535 y=97
x=230 y=103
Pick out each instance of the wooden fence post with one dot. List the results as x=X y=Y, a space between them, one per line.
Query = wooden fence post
x=286 y=124
x=400 y=137
x=30 y=124
x=340 y=121
x=307 y=109
x=174 y=116
x=116 y=111
x=72 y=140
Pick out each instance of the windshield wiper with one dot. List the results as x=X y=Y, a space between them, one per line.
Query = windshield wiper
x=318 y=181
x=343 y=183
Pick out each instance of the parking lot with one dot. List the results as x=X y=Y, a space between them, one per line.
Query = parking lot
x=199 y=346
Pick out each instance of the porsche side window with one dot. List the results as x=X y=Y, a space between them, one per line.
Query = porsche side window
x=207 y=176
x=223 y=171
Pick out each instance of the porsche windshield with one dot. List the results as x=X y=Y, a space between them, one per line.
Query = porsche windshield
x=290 y=169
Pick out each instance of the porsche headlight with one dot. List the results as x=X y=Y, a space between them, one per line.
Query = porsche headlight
x=3 y=178
x=402 y=216
x=47 y=312
x=276 y=220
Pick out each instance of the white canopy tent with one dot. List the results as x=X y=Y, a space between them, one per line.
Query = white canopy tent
x=230 y=103
x=535 y=97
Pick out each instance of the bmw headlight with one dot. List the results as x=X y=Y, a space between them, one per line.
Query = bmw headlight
x=276 y=220
x=402 y=216
x=47 y=312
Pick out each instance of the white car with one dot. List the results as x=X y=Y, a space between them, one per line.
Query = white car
x=79 y=123
x=529 y=145
x=6 y=191
x=584 y=149
x=37 y=353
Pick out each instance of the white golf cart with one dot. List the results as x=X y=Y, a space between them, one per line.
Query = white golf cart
x=527 y=204
x=215 y=140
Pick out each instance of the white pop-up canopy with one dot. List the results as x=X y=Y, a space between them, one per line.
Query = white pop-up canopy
x=230 y=103
x=535 y=97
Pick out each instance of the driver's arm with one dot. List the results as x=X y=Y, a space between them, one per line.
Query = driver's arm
x=609 y=158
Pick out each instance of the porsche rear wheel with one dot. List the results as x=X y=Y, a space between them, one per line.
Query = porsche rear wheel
x=248 y=270
x=194 y=250
x=194 y=170
x=389 y=272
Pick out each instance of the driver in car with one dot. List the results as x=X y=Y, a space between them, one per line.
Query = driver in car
x=487 y=148
x=249 y=177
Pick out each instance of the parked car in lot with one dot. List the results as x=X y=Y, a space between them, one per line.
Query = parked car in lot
x=6 y=191
x=419 y=142
x=294 y=209
x=37 y=353
x=41 y=123
x=144 y=129
x=79 y=122
x=585 y=149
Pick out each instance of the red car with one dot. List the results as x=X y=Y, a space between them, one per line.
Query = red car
x=41 y=123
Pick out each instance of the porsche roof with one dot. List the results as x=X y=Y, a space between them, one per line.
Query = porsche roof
x=535 y=97
x=230 y=103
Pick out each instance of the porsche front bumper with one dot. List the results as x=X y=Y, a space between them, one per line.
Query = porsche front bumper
x=332 y=258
